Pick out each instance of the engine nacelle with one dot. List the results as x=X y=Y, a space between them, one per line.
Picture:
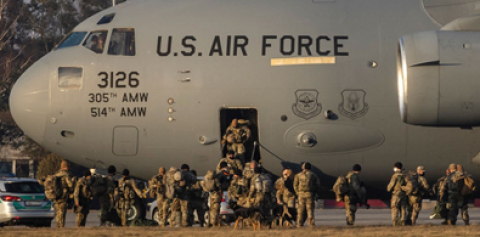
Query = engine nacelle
x=439 y=78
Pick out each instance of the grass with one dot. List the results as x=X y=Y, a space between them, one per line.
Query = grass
x=356 y=231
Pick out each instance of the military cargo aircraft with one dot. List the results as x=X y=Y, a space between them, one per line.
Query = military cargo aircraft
x=153 y=83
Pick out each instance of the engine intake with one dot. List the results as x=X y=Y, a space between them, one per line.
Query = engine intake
x=439 y=78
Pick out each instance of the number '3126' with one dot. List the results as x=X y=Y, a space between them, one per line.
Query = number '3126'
x=118 y=80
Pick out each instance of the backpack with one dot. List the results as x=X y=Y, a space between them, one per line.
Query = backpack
x=53 y=187
x=262 y=184
x=304 y=182
x=341 y=187
x=452 y=182
x=170 y=183
x=99 y=186
x=468 y=186
x=411 y=180
x=209 y=182
x=180 y=181
x=156 y=184
x=125 y=190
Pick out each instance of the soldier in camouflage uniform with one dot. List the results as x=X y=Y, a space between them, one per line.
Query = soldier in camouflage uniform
x=83 y=197
x=238 y=190
x=453 y=186
x=248 y=171
x=215 y=192
x=286 y=193
x=233 y=163
x=464 y=207
x=61 y=204
x=415 y=200
x=356 y=194
x=236 y=136
x=399 y=202
x=126 y=191
x=440 y=207
x=306 y=185
x=107 y=199
x=171 y=202
x=158 y=191
x=198 y=200
x=184 y=194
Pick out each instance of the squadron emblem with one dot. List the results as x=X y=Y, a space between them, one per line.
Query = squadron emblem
x=306 y=106
x=353 y=104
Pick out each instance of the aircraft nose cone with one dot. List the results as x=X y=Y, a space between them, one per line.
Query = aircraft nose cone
x=29 y=101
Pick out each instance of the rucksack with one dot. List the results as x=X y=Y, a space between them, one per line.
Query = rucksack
x=468 y=186
x=170 y=183
x=262 y=184
x=156 y=184
x=209 y=182
x=341 y=188
x=99 y=185
x=53 y=187
x=125 y=190
x=452 y=182
x=304 y=182
x=411 y=180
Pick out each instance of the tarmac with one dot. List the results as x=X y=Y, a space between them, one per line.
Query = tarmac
x=326 y=217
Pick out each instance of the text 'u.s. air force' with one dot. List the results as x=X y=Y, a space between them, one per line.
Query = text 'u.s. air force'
x=239 y=45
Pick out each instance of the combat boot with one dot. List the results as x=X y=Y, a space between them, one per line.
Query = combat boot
x=444 y=222
x=450 y=222
x=404 y=223
x=466 y=222
x=394 y=223
x=414 y=222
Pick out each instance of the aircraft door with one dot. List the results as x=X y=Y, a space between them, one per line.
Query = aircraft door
x=239 y=132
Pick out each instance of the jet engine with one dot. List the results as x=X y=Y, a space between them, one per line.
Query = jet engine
x=439 y=78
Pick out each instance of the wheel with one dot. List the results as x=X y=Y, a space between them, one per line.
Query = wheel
x=207 y=218
x=155 y=215
x=136 y=211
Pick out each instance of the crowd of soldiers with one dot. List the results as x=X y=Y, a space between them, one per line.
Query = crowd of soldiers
x=452 y=191
x=180 y=193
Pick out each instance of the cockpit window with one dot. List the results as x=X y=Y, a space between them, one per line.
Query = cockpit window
x=96 y=41
x=122 y=42
x=72 y=39
x=106 y=19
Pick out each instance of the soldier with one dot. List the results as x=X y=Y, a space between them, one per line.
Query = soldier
x=126 y=193
x=236 y=136
x=61 y=203
x=83 y=197
x=248 y=171
x=233 y=163
x=356 y=194
x=211 y=184
x=453 y=186
x=286 y=193
x=415 y=200
x=466 y=198
x=440 y=207
x=238 y=190
x=399 y=202
x=183 y=187
x=172 y=202
x=158 y=191
x=223 y=179
x=306 y=185
x=198 y=200
x=107 y=199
